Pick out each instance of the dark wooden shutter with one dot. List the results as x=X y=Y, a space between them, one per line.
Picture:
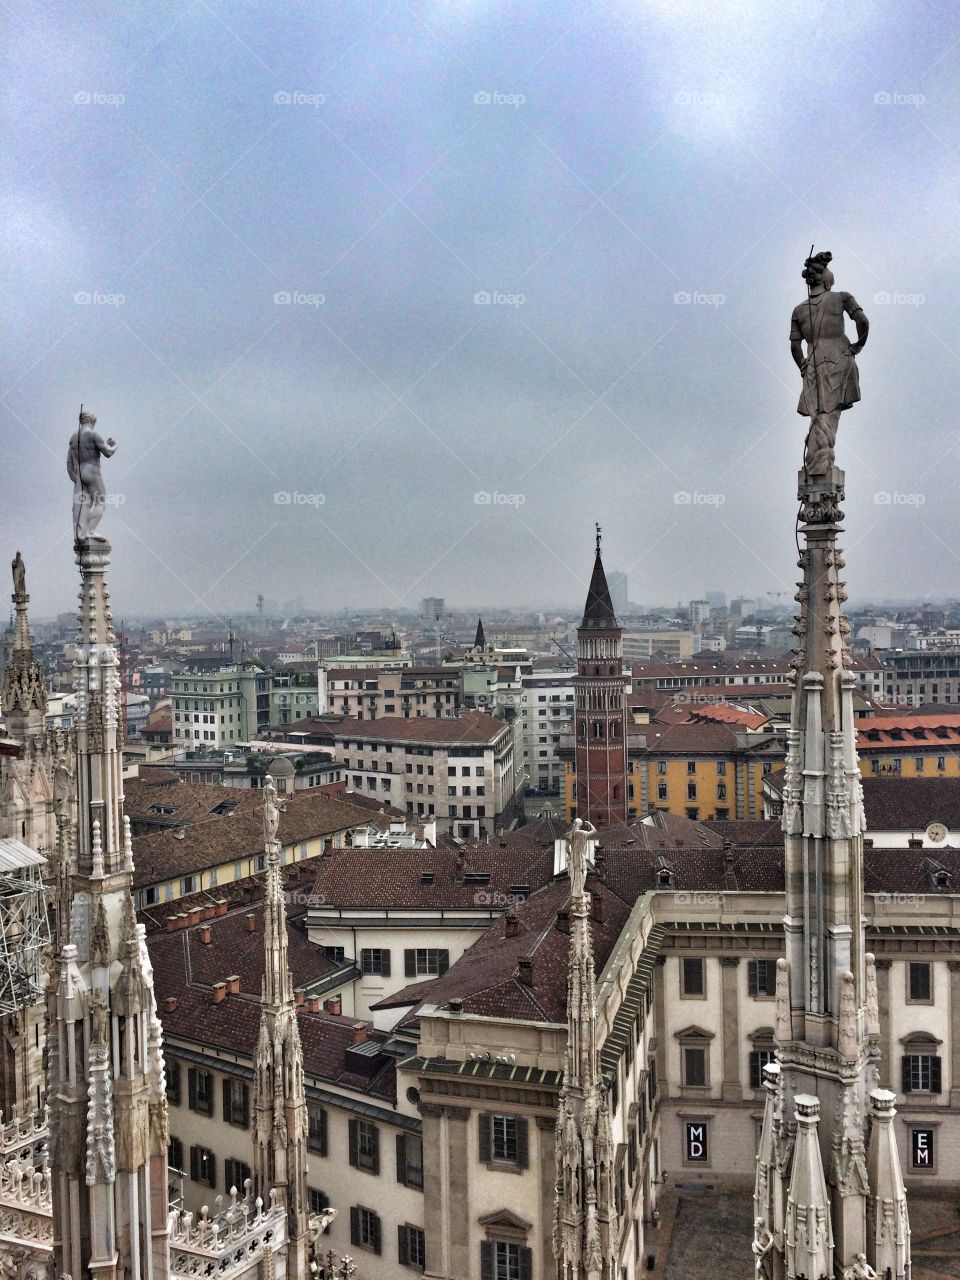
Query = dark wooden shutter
x=385 y=963
x=354 y=1150
x=403 y=1249
x=905 y=1073
x=410 y=963
x=401 y=1159
x=211 y=1169
x=484 y=1133
x=194 y=1164
x=323 y=1131
x=486 y=1260
x=526 y=1263
x=755 y=1070
x=753 y=979
x=376 y=1151
x=227 y=1108
x=523 y=1144
x=376 y=1242
x=935 y=1075
x=443 y=961
x=192 y=1087
x=354 y=1223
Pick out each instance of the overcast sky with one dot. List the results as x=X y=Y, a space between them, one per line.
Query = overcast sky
x=175 y=171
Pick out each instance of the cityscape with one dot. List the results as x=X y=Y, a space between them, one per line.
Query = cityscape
x=596 y=916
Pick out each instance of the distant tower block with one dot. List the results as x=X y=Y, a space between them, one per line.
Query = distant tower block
x=601 y=714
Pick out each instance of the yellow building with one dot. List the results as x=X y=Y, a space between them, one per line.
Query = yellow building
x=911 y=746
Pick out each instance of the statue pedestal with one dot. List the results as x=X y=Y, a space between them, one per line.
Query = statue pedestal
x=820 y=496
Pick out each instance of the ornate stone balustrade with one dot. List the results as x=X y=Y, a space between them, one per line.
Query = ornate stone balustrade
x=19 y=1130
x=230 y=1243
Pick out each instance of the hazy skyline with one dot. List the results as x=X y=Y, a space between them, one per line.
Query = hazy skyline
x=174 y=171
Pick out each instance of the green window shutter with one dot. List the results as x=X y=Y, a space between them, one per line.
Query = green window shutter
x=354 y=1149
x=486 y=1260
x=354 y=1224
x=376 y=1151
x=935 y=1076
x=401 y=1159
x=526 y=1263
x=484 y=1135
x=410 y=963
x=523 y=1147
x=403 y=1252
x=385 y=967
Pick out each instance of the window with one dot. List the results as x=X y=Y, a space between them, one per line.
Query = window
x=375 y=961
x=365 y=1145
x=694 y=1066
x=759 y=1058
x=203 y=1166
x=317 y=1201
x=691 y=766
x=503 y=1139
x=661 y=767
x=409 y=1160
x=365 y=1228
x=505 y=1260
x=761 y=978
x=200 y=1087
x=425 y=962
x=175 y=1155
x=692 y=978
x=236 y=1102
x=721 y=768
x=721 y=791
x=921 y=1073
x=661 y=791
x=691 y=791
x=333 y=953
x=412 y=1247
x=316 y=1128
x=919 y=982
x=235 y=1174
x=173 y=1083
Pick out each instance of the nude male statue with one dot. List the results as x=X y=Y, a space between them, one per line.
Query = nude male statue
x=83 y=468
x=831 y=382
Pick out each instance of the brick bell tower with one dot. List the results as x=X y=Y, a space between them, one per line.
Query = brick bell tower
x=601 y=713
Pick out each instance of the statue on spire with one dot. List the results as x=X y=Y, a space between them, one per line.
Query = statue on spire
x=831 y=381
x=83 y=468
x=19 y=575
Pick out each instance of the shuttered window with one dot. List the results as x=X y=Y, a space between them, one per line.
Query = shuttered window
x=409 y=1160
x=317 y=1128
x=365 y=1230
x=503 y=1139
x=200 y=1091
x=505 y=1260
x=365 y=1145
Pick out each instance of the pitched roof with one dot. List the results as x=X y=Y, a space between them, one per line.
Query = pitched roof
x=471 y=728
x=911 y=804
x=598 y=611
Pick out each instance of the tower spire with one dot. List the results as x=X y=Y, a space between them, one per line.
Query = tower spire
x=280 y=1105
x=585 y=1223
x=24 y=685
x=480 y=640
x=108 y=1105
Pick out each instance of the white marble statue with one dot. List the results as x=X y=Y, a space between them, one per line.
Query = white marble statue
x=83 y=467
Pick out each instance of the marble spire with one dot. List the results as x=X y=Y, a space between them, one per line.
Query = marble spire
x=827 y=1020
x=106 y=1088
x=585 y=1224
x=280 y=1106
x=24 y=685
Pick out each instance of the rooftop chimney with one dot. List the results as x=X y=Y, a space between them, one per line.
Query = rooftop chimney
x=525 y=970
x=209 y=912
x=359 y=1032
x=222 y=905
x=206 y=935
x=195 y=914
x=170 y=1004
x=455 y=1006
x=171 y=923
x=219 y=992
x=313 y=1004
x=512 y=924
x=250 y=922
x=233 y=984
x=334 y=1005
x=299 y=996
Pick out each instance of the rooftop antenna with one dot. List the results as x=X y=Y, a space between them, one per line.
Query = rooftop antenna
x=599 y=533
x=260 y=612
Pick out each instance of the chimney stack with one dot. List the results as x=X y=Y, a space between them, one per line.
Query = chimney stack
x=313 y=1004
x=563 y=921
x=206 y=935
x=525 y=970
x=455 y=1006
x=219 y=992
x=172 y=923
x=334 y=1005
x=512 y=924
x=233 y=984
x=299 y=995
x=250 y=922
x=359 y=1032
x=170 y=1004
